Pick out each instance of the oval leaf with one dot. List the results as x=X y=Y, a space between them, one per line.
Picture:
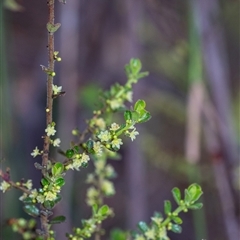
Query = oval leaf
x=58 y=219
x=177 y=220
x=31 y=210
x=195 y=191
x=176 y=228
x=177 y=195
x=143 y=226
x=145 y=117
x=139 y=105
x=196 y=206
x=57 y=169
x=60 y=182
x=44 y=182
x=167 y=207
x=69 y=153
x=103 y=210
x=127 y=115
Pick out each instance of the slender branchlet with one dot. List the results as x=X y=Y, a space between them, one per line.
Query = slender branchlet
x=49 y=105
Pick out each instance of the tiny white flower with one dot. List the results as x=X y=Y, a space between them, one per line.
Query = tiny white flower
x=97 y=147
x=100 y=123
x=23 y=196
x=28 y=184
x=104 y=136
x=35 y=152
x=40 y=198
x=133 y=134
x=129 y=96
x=50 y=130
x=56 y=89
x=50 y=196
x=139 y=237
x=85 y=158
x=56 y=142
x=108 y=188
x=116 y=142
x=115 y=104
x=114 y=127
x=150 y=234
x=34 y=193
x=4 y=186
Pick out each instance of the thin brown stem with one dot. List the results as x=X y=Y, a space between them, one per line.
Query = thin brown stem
x=49 y=108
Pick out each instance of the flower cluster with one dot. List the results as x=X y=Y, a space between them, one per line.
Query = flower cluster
x=50 y=131
x=78 y=160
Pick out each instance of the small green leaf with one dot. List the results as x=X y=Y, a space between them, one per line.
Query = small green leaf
x=57 y=169
x=76 y=149
x=135 y=116
x=31 y=210
x=103 y=210
x=58 y=219
x=139 y=105
x=94 y=208
x=187 y=196
x=60 y=182
x=53 y=27
x=196 y=206
x=57 y=199
x=195 y=191
x=69 y=153
x=28 y=200
x=177 y=220
x=135 y=65
x=118 y=234
x=144 y=117
x=89 y=146
x=167 y=207
x=143 y=226
x=176 y=228
x=177 y=195
x=44 y=182
x=127 y=115
x=84 y=165
x=142 y=75
x=48 y=204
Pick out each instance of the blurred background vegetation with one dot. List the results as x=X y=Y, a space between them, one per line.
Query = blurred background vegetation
x=191 y=49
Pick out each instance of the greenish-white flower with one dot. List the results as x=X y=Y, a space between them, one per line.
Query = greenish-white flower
x=56 y=89
x=108 y=188
x=114 y=127
x=104 y=136
x=40 y=198
x=97 y=147
x=4 y=186
x=116 y=142
x=85 y=158
x=56 y=142
x=133 y=134
x=139 y=237
x=35 y=152
x=150 y=234
x=50 y=130
x=50 y=196
x=115 y=104
x=34 y=193
x=92 y=194
x=23 y=196
x=109 y=171
x=129 y=95
x=28 y=184
x=100 y=123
